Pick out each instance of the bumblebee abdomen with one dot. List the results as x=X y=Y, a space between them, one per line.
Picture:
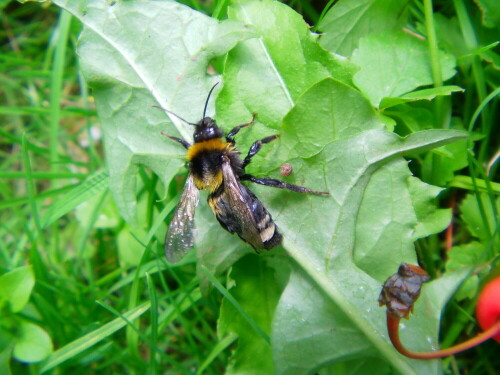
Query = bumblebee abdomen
x=230 y=219
x=268 y=231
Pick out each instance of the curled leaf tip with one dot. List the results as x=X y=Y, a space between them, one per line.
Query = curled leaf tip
x=401 y=290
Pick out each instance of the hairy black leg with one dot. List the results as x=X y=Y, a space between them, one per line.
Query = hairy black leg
x=235 y=130
x=181 y=141
x=280 y=184
x=256 y=146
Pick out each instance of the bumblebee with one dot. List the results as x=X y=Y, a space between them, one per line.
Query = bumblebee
x=215 y=165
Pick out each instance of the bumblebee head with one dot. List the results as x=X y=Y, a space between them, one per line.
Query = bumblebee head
x=207 y=129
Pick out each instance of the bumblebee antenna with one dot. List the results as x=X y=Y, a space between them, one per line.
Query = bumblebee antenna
x=208 y=97
x=176 y=115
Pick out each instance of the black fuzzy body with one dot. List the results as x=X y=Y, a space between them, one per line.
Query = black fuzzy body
x=249 y=219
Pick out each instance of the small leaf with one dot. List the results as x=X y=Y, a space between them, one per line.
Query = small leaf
x=430 y=219
x=465 y=257
x=453 y=157
x=395 y=63
x=411 y=118
x=32 y=343
x=449 y=33
x=16 y=287
x=491 y=12
x=426 y=94
x=481 y=221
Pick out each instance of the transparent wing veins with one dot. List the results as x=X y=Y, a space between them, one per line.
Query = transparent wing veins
x=180 y=233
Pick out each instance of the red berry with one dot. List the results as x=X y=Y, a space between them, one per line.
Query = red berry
x=488 y=306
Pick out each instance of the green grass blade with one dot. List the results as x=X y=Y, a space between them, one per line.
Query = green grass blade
x=154 y=321
x=89 y=188
x=89 y=340
x=235 y=303
x=131 y=324
x=219 y=348
x=481 y=107
x=41 y=175
x=221 y=4
x=46 y=194
x=132 y=333
x=56 y=84
x=483 y=186
x=160 y=219
x=433 y=47
x=30 y=184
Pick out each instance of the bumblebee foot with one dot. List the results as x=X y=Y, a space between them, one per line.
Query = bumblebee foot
x=256 y=146
x=235 y=130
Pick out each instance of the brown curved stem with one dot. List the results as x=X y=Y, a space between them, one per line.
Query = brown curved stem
x=393 y=330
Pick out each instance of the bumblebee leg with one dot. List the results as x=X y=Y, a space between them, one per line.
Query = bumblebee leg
x=181 y=141
x=280 y=184
x=235 y=130
x=256 y=146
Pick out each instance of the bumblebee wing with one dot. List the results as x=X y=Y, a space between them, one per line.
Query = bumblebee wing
x=180 y=233
x=240 y=202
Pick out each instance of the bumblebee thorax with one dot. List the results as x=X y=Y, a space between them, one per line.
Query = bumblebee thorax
x=205 y=162
x=204 y=148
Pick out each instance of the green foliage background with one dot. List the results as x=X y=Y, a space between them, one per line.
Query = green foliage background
x=84 y=286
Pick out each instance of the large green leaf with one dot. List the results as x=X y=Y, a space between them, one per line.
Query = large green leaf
x=332 y=97
x=340 y=323
x=348 y=21
x=347 y=244
x=137 y=54
x=344 y=247
x=267 y=74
